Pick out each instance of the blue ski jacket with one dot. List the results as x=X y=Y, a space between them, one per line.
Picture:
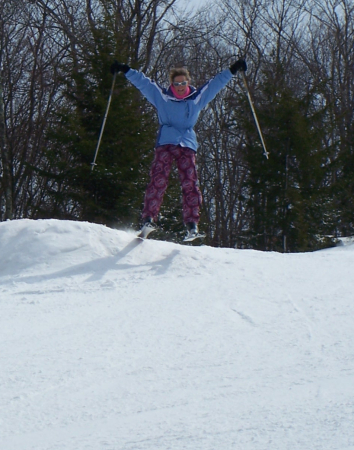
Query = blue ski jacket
x=177 y=117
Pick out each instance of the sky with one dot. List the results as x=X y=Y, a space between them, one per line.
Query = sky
x=108 y=342
x=193 y=3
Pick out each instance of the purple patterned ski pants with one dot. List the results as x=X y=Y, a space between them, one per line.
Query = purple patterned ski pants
x=159 y=174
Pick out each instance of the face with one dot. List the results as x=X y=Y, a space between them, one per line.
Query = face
x=181 y=89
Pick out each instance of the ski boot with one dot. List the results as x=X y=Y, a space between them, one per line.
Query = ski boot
x=147 y=228
x=192 y=232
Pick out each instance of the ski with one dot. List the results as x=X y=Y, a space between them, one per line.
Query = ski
x=192 y=236
x=148 y=228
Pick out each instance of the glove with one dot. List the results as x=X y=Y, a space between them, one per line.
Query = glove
x=238 y=65
x=119 y=67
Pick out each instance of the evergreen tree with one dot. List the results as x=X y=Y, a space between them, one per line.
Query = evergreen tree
x=287 y=193
x=342 y=190
x=112 y=193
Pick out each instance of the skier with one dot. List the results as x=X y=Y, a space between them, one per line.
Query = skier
x=178 y=108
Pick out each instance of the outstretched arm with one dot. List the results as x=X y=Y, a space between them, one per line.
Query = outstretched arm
x=207 y=92
x=147 y=87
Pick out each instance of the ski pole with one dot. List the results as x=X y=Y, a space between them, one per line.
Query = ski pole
x=266 y=154
x=93 y=164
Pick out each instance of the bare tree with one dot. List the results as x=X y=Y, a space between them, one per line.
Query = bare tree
x=330 y=60
x=47 y=46
x=6 y=212
x=6 y=179
x=30 y=59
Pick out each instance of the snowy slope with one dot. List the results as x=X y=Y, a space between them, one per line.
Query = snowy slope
x=111 y=343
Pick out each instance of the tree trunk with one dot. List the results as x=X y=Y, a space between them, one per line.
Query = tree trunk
x=6 y=175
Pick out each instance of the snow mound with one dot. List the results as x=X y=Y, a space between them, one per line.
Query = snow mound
x=42 y=245
x=110 y=342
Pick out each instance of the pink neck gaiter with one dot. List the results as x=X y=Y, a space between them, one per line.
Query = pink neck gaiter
x=177 y=95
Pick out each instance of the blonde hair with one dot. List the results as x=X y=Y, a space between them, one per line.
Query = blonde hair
x=177 y=71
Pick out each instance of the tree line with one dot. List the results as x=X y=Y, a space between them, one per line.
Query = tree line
x=55 y=79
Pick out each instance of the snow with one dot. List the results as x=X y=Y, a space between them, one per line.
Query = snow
x=108 y=342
